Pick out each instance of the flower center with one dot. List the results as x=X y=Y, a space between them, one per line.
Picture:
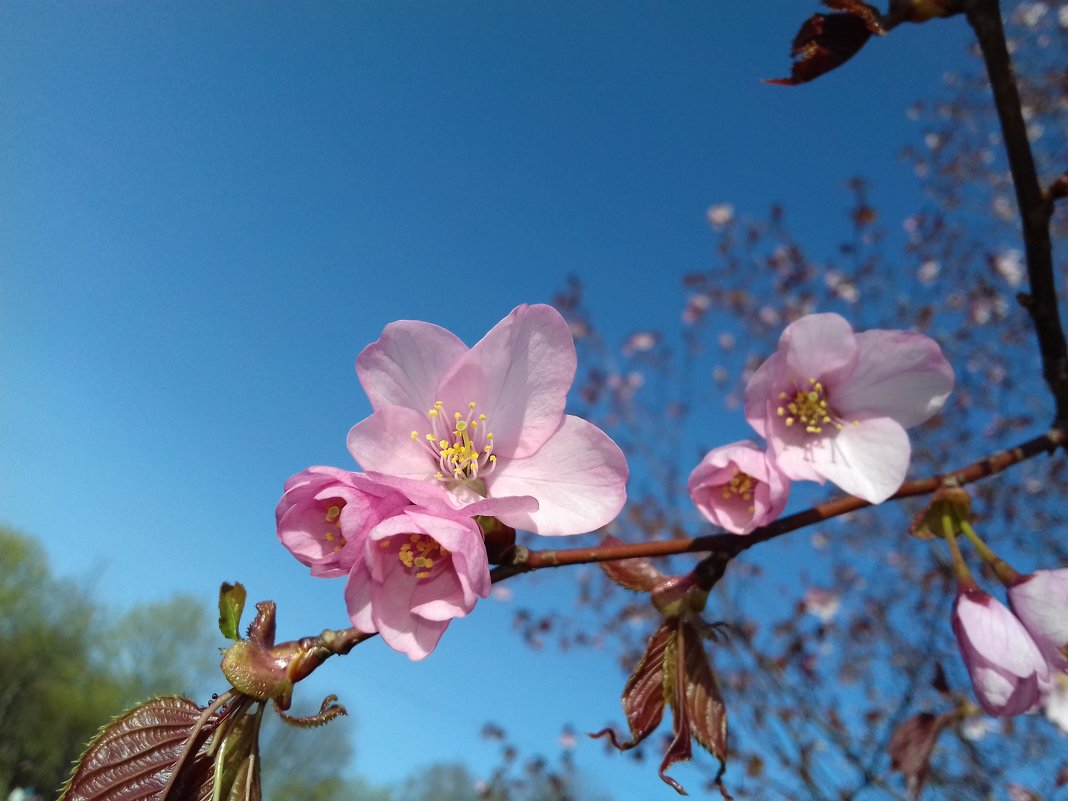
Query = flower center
x=420 y=555
x=331 y=516
x=461 y=444
x=808 y=408
x=741 y=486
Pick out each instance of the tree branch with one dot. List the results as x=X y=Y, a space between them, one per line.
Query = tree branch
x=726 y=546
x=1036 y=205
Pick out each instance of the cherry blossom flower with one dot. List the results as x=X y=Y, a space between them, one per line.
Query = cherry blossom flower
x=834 y=404
x=488 y=422
x=419 y=569
x=1040 y=601
x=737 y=489
x=1007 y=669
x=325 y=513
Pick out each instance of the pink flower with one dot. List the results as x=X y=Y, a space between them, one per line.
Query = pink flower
x=488 y=423
x=737 y=489
x=1007 y=669
x=325 y=513
x=1040 y=601
x=835 y=405
x=418 y=570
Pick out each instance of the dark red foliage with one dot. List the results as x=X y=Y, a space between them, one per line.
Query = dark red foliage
x=912 y=744
x=827 y=41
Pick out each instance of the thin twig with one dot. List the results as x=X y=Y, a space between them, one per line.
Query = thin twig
x=1036 y=204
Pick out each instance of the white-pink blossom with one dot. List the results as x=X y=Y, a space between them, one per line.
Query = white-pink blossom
x=487 y=423
x=737 y=489
x=834 y=404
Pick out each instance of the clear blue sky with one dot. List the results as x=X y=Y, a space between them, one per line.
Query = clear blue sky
x=207 y=210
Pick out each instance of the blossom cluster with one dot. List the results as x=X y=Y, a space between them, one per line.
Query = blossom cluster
x=463 y=439
x=832 y=405
x=456 y=435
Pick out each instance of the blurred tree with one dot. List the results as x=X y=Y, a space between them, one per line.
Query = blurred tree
x=52 y=694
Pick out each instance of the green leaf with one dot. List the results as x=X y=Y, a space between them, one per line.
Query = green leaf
x=237 y=769
x=231 y=604
x=135 y=755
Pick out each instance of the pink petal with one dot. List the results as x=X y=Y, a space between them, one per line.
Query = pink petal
x=898 y=375
x=996 y=635
x=383 y=443
x=441 y=598
x=358 y=598
x=519 y=374
x=820 y=346
x=1041 y=603
x=402 y=631
x=405 y=366
x=760 y=391
x=868 y=460
x=578 y=476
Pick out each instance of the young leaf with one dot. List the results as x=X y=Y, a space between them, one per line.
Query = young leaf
x=135 y=755
x=231 y=604
x=706 y=711
x=237 y=770
x=633 y=574
x=825 y=41
x=644 y=693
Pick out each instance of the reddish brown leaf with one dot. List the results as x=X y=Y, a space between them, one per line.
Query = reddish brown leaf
x=644 y=693
x=868 y=14
x=680 y=749
x=707 y=712
x=912 y=744
x=699 y=709
x=633 y=574
x=825 y=41
x=133 y=757
x=922 y=10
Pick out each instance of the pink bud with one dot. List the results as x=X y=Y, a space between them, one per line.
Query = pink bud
x=1007 y=669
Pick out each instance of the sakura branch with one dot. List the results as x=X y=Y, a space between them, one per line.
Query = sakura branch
x=727 y=546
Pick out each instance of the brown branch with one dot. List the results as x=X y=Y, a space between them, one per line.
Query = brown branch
x=1036 y=205
x=726 y=546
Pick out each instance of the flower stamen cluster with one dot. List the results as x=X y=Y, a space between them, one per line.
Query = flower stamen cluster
x=740 y=485
x=333 y=532
x=463 y=453
x=420 y=553
x=809 y=407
